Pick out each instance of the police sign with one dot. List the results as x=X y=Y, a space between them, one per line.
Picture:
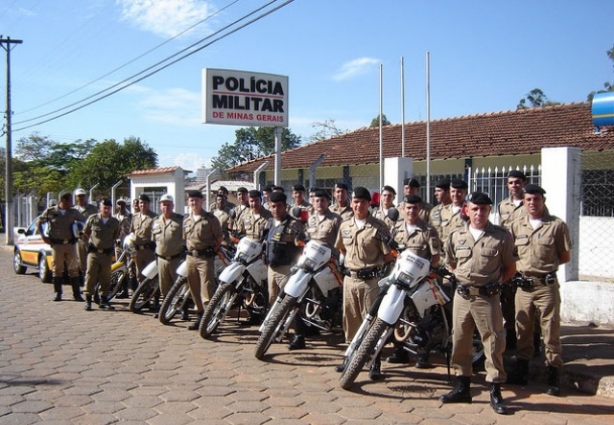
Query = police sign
x=244 y=98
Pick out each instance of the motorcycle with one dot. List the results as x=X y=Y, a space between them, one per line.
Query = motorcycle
x=119 y=270
x=179 y=298
x=243 y=281
x=415 y=308
x=314 y=291
x=147 y=290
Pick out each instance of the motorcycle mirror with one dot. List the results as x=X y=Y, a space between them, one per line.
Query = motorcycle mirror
x=393 y=214
x=232 y=213
x=297 y=212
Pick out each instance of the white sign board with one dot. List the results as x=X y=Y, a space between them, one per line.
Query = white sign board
x=244 y=98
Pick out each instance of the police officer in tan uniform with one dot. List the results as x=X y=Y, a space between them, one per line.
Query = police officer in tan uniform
x=322 y=226
x=411 y=186
x=362 y=240
x=167 y=234
x=451 y=218
x=86 y=209
x=481 y=256
x=255 y=219
x=101 y=231
x=203 y=236
x=222 y=213
x=125 y=218
x=266 y=192
x=242 y=207
x=282 y=244
x=415 y=234
x=141 y=228
x=386 y=203
x=543 y=243
x=442 y=195
x=60 y=219
x=298 y=195
x=341 y=205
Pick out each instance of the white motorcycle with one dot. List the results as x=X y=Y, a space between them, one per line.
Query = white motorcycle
x=242 y=282
x=313 y=291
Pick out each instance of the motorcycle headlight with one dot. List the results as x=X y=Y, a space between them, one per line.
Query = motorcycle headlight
x=309 y=265
x=405 y=278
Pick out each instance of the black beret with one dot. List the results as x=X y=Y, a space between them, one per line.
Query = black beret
x=121 y=202
x=533 y=189
x=242 y=190
x=517 y=174
x=480 y=198
x=321 y=193
x=458 y=184
x=341 y=186
x=144 y=197
x=278 y=197
x=411 y=182
x=268 y=188
x=223 y=189
x=254 y=194
x=107 y=202
x=361 y=193
x=279 y=188
x=443 y=184
x=389 y=189
x=195 y=194
x=299 y=187
x=412 y=199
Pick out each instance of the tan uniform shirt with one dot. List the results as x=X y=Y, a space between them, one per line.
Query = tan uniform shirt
x=509 y=212
x=325 y=230
x=252 y=226
x=363 y=247
x=60 y=225
x=124 y=224
x=422 y=241
x=539 y=250
x=202 y=233
x=450 y=221
x=345 y=212
x=383 y=216
x=480 y=262
x=141 y=227
x=102 y=235
x=425 y=211
x=435 y=217
x=168 y=235
x=224 y=218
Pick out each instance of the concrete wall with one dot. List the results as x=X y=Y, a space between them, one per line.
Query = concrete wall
x=583 y=301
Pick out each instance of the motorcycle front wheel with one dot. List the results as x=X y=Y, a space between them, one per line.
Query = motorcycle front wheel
x=216 y=310
x=274 y=326
x=365 y=351
x=145 y=292
x=175 y=300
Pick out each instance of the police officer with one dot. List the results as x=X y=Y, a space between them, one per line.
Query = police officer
x=411 y=186
x=266 y=192
x=62 y=239
x=242 y=207
x=282 y=244
x=543 y=243
x=101 y=231
x=141 y=228
x=415 y=234
x=322 y=226
x=341 y=206
x=442 y=195
x=125 y=218
x=224 y=192
x=298 y=195
x=482 y=256
x=167 y=235
x=222 y=213
x=203 y=236
x=386 y=204
x=255 y=219
x=86 y=209
x=362 y=240
x=451 y=218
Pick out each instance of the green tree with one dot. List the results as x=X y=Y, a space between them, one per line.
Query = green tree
x=608 y=86
x=375 y=121
x=535 y=99
x=251 y=143
x=327 y=129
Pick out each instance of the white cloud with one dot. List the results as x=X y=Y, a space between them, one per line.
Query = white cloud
x=172 y=106
x=354 y=68
x=166 y=18
x=187 y=160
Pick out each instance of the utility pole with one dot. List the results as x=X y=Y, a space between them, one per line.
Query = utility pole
x=8 y=209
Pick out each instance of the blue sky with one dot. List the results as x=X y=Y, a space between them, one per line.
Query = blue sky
x=485 y=56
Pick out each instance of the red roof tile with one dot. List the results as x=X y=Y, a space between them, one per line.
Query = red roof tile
x=161 y=170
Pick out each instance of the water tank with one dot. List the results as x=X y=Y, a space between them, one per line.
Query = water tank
x=603 y=109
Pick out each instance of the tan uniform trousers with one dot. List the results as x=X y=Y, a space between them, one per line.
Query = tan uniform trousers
x=543 y=301
x=142 y=258
x=483 y=312
x=167 y=273
x=358 y=296
x=98 y=270
x=65 y=258
x=277 y=276
x=83 y=254
x=201 y=277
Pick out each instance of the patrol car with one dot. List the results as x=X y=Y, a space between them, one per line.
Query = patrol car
x=32 y=251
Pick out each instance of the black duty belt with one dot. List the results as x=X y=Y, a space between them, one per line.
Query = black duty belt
x=169 y=257
x=63 y=241
x=364 y=274
x=489 y=289
x=148 y=245
x=527 y=282
x=207 y=252
x=108 y=251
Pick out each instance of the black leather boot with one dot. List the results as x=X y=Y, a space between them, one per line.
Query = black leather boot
x=461 y=392
x=496 y=400
x=88 y=303
x=400 y=355
x=57 y=288
x=520 y=374
x=375 y=373
x=298 y=343
x=554 y=381
x=76 y=288
x=341 y=367
x=194 y=326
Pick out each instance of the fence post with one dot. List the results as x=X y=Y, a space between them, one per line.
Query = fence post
x=561 y=179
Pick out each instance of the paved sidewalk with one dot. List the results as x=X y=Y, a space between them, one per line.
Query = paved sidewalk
x=62 y=365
